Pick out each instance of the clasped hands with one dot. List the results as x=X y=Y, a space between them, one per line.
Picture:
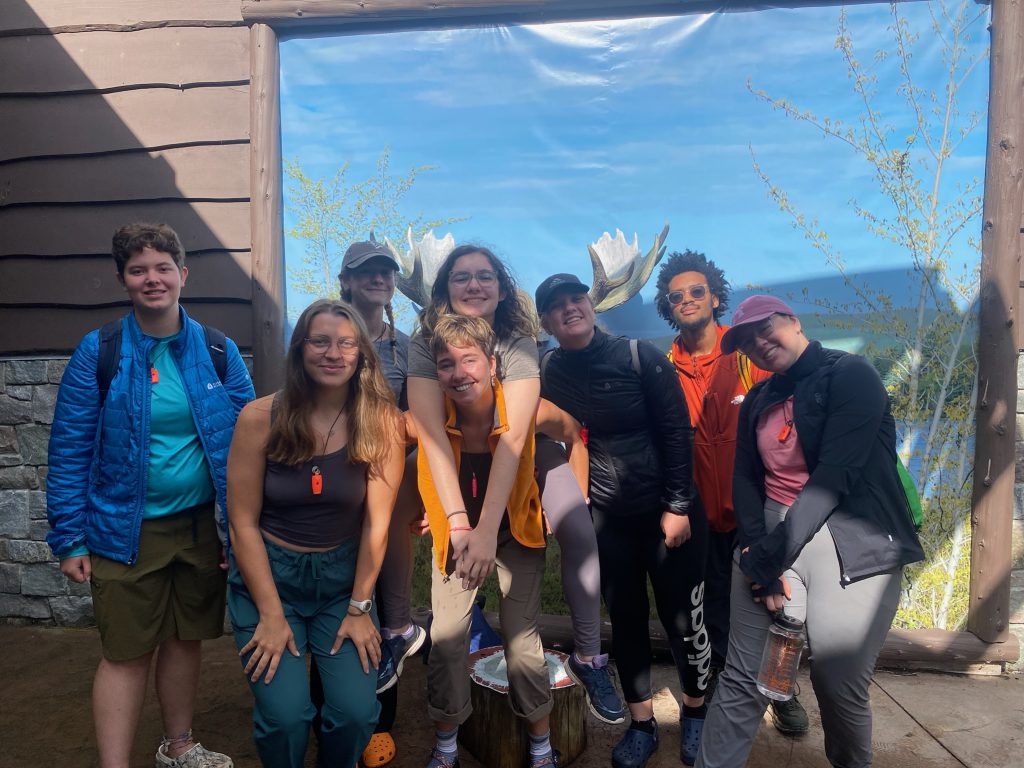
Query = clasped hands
x=773 y=599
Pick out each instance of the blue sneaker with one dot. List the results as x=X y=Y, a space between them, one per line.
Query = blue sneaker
x=596 y=679
x=403 y=647
x=635 y=748
x=691 y=729
x=387 y=674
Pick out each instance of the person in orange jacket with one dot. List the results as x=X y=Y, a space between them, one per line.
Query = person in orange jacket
x=692 y=297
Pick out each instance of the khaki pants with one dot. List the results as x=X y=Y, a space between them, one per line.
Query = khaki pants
x=520 y=573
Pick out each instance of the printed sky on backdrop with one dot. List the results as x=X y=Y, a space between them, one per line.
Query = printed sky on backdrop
x=543 y=137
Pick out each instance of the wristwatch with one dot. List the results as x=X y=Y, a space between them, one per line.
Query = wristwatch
x=363 y=606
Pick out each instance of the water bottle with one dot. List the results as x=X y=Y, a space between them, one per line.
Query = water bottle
x=781 y=658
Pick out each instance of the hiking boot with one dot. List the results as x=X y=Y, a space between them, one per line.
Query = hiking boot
x=197 y=756
x=403 y=647
x=387 y=674
x=595 y=678
x=690 y=731
x=635 y=748
x=790 y=717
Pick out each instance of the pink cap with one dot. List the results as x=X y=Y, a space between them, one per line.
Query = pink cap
x=752 y=310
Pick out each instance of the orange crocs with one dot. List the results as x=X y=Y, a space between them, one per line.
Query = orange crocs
x=380 y=751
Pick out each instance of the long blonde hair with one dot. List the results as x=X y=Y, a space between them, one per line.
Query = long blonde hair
x=372 y=416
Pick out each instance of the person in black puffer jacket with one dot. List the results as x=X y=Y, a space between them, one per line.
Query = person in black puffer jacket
x=824 y=531
x=647 y=514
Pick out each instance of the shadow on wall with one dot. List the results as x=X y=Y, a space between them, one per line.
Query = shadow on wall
x=105 y=127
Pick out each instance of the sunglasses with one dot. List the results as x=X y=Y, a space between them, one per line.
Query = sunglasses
x=697 y=292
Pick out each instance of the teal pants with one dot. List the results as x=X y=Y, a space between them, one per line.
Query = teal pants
x=315 y=588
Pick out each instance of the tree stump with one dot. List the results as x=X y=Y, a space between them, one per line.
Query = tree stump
x=499 y=739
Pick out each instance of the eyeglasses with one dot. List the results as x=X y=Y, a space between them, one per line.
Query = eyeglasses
x=760 y=331
x=697 y=292
x=483 y=277
x=321 y=344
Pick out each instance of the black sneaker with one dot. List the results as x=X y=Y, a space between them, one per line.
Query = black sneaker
x=596 y=680
x=790 y=717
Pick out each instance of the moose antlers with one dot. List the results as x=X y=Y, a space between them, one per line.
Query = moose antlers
x=619 y=269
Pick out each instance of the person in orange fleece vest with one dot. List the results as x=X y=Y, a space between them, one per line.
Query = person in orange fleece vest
x=692 y=297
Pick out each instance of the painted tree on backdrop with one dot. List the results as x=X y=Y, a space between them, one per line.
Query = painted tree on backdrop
x=331 y=214
x=926 y=352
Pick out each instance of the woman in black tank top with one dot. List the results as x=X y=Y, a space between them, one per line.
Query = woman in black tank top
x=312 y=477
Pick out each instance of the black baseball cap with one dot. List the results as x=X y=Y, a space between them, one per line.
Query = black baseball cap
x=362 y=251
x=563 y=281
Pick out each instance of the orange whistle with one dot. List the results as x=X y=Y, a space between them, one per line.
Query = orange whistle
x=317 y=481
x=784 y=432
x=154 y=375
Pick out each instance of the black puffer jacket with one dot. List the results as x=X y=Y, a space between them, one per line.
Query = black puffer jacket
x=640 y=438
x=848 y=436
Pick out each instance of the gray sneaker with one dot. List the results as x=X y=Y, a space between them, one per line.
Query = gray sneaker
x=197 y=756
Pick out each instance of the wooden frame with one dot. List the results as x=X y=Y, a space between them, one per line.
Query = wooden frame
x=1001 y=246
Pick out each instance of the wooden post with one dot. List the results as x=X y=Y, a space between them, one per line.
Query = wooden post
x=992 y=502
x=268 y=282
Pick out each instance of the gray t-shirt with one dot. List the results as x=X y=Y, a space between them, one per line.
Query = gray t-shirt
x=517 y=358
x=394 y=363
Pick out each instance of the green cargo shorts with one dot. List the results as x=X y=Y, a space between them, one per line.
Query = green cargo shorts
x=175 y=589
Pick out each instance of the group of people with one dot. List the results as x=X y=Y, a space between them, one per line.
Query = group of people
x=731 y=474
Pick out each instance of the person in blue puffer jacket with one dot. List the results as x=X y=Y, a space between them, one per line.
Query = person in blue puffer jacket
x=135 y=474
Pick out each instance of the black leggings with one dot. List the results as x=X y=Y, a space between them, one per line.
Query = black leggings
x=631 y=548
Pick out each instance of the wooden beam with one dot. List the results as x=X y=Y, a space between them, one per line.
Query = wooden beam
x=266 y=211
x=41 y=16
x=54 y=230
x=94 y=61
x=1001 y=241
x=902 y=646
x=59 y=125
x=207 y=172
x=293 y=15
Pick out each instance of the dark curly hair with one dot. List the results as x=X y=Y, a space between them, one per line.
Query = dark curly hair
x=690 y=261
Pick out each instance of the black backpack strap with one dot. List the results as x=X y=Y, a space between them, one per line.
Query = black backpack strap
x=217 y=346
x=109 y=357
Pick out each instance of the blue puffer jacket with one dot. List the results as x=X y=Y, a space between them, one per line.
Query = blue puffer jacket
x=99 y=457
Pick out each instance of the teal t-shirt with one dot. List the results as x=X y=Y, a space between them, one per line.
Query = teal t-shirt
x=179 y=475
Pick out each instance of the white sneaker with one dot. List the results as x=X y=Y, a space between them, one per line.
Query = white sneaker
x=197 y=756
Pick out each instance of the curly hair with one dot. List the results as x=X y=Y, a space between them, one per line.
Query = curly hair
x=133 y=238
x=690 y=261
x=515 y=315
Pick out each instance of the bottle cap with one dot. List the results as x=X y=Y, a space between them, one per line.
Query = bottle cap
x=788 y=622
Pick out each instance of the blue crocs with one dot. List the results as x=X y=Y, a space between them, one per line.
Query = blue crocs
x=690 y=729
x=635 y=748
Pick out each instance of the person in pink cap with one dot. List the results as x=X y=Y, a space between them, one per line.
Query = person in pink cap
x=824 y=531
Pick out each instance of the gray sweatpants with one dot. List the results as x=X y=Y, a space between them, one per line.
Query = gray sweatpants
x=845 y=631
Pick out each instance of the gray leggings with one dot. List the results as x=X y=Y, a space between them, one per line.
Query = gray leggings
x=845 y=631
x=570 y=521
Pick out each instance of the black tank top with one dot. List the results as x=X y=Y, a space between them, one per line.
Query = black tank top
x=294 y=514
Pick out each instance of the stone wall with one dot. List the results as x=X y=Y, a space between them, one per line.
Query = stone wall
x=1017 y=574
x=32 y=588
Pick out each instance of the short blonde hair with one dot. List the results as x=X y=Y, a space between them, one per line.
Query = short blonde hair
x=461 y=331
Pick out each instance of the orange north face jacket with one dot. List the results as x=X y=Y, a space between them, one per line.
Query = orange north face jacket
x=714 y=386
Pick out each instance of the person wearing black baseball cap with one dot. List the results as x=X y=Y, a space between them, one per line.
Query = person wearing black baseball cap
x=647 y=517
x=824 y=531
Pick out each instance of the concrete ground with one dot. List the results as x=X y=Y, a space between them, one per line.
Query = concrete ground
x=921 y=720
